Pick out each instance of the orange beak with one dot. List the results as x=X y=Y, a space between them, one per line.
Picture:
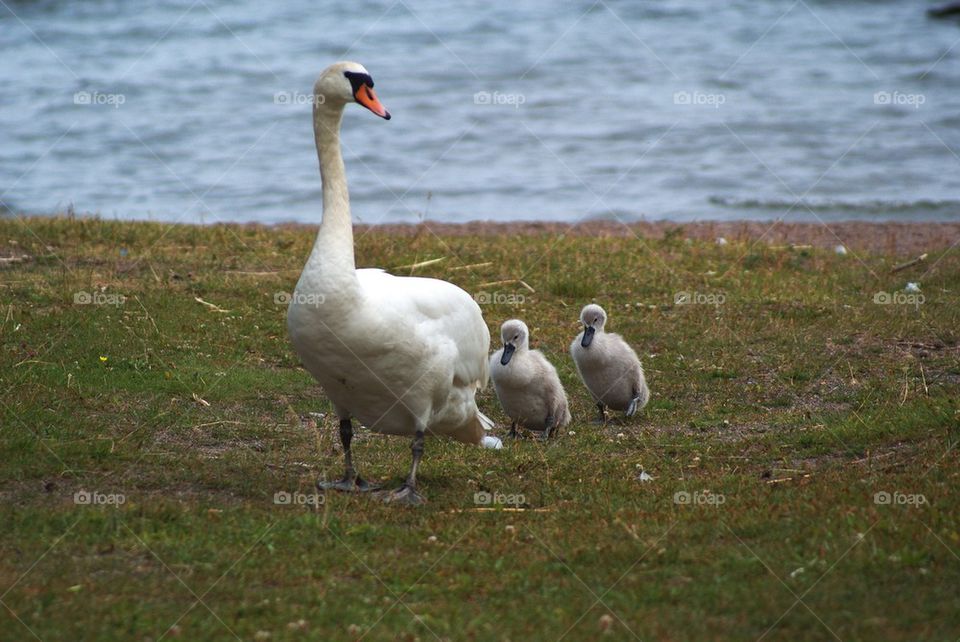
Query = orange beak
x=368 y=99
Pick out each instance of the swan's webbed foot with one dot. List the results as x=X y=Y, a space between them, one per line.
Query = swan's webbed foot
x=406 y=495
x=349 y=484
x=632 y=408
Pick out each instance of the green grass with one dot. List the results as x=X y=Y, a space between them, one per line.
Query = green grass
x=779 y=412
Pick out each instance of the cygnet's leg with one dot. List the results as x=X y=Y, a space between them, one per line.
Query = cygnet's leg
x=407 y=493
x=549 y=427
x=513 y=431
x=634 y=403
x=601 y=414
x=351 y=482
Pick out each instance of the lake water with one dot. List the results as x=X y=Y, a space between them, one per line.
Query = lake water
x=194 y=110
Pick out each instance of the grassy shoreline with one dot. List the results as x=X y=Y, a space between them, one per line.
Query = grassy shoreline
x=796 y=399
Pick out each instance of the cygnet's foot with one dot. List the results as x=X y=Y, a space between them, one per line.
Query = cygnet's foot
x=632 y=408
x=405 y=495
x=601 y=419
x=349 y=484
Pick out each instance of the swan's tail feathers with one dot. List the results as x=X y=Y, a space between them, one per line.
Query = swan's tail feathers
x=472 y=432
x=489 y=441
x=485 y=421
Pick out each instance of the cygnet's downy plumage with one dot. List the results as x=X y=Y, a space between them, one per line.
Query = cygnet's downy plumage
x=608 y=366
x=527 y=384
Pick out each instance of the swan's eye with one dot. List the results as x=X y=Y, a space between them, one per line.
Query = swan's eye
x=357 y=80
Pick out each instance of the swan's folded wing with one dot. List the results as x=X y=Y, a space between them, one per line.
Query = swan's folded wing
x=437 y=309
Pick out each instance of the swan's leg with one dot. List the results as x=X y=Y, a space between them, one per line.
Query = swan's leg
x=351 y=482
x=601 y=414
x=513 y=431
x=407 y=493
x=549 y=427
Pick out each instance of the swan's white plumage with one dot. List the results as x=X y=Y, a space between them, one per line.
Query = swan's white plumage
x=399 y=354
x=404 y=349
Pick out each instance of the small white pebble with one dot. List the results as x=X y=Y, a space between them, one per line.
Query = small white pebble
x=912 y=287
x=841 y=250
x=621 y=435
x=510 y=529
x=721 y=240
x=432 y=539
x=605 y=622
x=572 y=433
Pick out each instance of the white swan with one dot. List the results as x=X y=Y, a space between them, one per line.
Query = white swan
x=402 y=355
x=608 y=366
x=527 y=385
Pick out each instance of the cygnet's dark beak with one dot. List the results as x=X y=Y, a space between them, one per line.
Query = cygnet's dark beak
x=508 y=350
x=588 y=332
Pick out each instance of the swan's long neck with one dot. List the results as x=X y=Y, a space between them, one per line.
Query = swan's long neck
x=332 y=252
